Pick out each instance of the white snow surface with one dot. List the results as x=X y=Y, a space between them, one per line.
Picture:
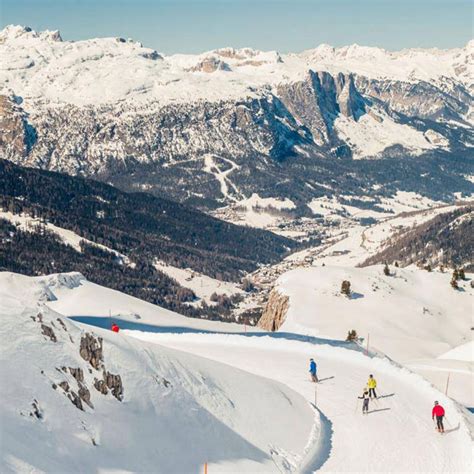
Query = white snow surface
x=179 y=411
x=399 y=422
x=399 y=311
x=202 y=285
x=413 y=316
x=234 y=408
x=464 y=352
x=255 y=201
x=369 y=137
x=42 y=67
x=257 y=211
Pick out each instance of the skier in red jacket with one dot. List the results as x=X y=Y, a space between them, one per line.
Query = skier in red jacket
x=115 y=327
x=438 y=411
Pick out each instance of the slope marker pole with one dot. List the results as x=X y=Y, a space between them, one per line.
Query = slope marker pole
x=447 y=383
x=368 y=339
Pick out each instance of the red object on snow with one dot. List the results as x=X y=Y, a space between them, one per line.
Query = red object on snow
x=115 y=328
x=438 y=410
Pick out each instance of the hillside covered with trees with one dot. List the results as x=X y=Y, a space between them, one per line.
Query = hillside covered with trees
x=142 y=227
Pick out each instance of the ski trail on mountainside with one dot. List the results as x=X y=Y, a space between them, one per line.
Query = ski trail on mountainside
x=349 y=441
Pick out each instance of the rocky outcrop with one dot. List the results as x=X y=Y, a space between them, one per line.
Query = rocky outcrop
x=75 y=400
x=85 y=395
x=114 y=383
x=101 y=386
x=64 y=385
x=77 y=373
x=209 y=65
x=48 y=332
x=37 y=412
x=91 y=350
x=274 y=314
x=17 y=136
x=418 y=99
x=318 y=100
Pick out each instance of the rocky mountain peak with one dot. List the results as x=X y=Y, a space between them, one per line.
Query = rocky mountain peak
x=210 y=64
x=12 y=32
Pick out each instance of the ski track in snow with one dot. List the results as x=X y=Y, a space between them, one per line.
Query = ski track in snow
x=211 y=167
x=379 y=439
x=397 y=435
x=400 y=423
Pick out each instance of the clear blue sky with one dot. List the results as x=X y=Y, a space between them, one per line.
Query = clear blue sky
x=285 y=25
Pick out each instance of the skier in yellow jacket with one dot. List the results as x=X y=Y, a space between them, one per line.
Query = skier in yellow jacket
x=371 y=384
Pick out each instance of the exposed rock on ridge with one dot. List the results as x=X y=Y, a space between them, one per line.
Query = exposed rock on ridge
x=274 y=314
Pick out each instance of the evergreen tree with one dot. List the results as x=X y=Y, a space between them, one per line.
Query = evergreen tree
x=351 y=335
x=346 y=288
x=247 y=285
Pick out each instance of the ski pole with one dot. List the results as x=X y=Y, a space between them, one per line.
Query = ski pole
x=357 y=405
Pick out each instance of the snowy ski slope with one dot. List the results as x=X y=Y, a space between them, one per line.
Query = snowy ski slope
x=178 y=410
x=396 y=436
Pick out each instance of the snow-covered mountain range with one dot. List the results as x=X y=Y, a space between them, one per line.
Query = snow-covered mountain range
x=227 y=123
x=43 y=66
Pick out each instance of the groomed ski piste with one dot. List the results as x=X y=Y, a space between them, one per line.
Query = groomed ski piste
x=197 y=392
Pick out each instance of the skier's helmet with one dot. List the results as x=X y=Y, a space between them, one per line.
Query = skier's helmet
x=436 y=402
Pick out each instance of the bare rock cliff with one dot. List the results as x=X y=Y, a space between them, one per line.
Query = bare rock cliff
x=274 y=314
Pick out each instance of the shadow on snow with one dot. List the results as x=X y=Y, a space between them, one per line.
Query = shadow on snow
x=105 y=322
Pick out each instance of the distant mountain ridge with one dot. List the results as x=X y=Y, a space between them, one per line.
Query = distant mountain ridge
x=212 y=129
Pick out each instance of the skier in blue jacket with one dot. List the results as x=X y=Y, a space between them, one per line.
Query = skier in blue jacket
x=312 y=370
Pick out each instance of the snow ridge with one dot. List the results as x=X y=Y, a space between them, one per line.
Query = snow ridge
x=42 y=66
